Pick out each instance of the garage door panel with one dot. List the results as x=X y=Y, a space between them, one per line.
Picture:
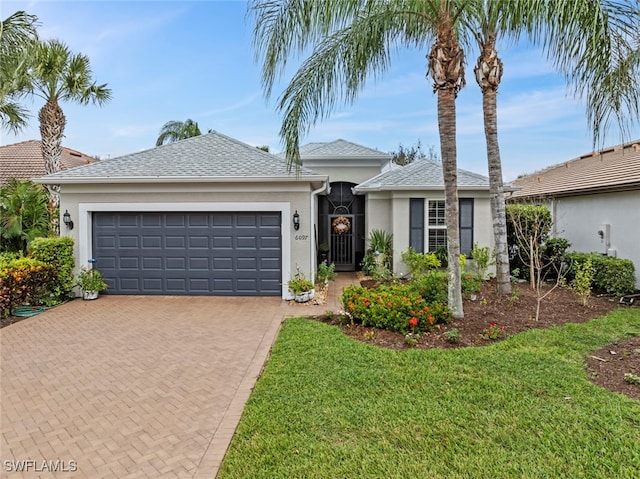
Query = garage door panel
x=128 y=242
x=151 y=241
x=222 y=242
x=198 y=242
x=246 y=242
x=153 y=220
x=189 y=253
x=176 y=263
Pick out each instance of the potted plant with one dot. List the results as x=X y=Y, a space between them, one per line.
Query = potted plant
x=91 y=282
x=323 y=252
x=301 y=288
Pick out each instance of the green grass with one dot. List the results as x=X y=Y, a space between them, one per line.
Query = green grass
x=331 y=407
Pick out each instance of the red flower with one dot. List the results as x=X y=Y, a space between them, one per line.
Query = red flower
x=431 y=320
x=413 y=322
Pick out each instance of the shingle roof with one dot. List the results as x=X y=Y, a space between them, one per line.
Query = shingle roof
x=610 y=169
x=24 y=160
x=421 y=174
x=206 y=156
x=340 y=149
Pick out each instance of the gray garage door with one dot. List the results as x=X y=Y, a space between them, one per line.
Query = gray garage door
x=189 y=253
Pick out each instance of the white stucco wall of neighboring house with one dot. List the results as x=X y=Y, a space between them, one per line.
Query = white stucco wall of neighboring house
x=298 y=249
x=579 y=218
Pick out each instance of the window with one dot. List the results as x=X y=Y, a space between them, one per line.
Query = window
x=436 y=227
x=437 y=220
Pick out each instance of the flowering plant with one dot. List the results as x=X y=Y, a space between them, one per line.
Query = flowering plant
x=493 y=331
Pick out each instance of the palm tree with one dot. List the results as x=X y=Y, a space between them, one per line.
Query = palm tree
x=596 y=30
x=177 y=130
x=17 y=33
x=351 y=41
x=57 y=75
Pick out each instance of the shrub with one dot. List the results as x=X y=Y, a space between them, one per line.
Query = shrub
x=326 y=272
x=581 y=284
x=613 y=276
x=471 y=283
x=24 y=213
x=432 y=287
x=395 y=308
x=483 y=258
x=24 y=281
x=420 y=263
x=57 y=252
x=6 y=258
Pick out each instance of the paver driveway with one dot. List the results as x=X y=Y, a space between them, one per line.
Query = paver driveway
x=131 y=386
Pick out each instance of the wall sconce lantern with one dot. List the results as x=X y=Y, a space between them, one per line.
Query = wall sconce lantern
x=296 y=221
x=66 y=218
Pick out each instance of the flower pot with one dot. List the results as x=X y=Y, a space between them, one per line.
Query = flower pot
x=304 y=296
x=88 y=295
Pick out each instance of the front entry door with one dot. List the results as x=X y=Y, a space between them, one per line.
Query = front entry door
x=342 y=237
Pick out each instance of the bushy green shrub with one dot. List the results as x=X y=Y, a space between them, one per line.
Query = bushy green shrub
x=57 y=252
x=395 y=308
x=432 y=287
x=326 y=272
x=6 y=258
x=471 y=283
x=613 y=276
x=483 y=257
x=420 y=263
x=24 y=281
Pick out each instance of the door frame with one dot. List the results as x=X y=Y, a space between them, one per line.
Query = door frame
x=85 y=223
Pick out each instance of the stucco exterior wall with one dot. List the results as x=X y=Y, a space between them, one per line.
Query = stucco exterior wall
x=390 y=212
x=297 y=246
x=579 y=218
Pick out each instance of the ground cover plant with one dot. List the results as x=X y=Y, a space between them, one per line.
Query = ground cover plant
x=329 y=406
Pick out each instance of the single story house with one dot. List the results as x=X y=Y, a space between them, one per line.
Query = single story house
x=24 y=161
x=213 y=215
x=594 y=201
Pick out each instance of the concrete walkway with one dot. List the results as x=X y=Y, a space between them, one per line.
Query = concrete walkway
x=134 y=386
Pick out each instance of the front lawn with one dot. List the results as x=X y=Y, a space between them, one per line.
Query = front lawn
x=327 y=406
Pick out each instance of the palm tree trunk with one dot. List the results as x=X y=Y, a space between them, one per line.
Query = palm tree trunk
x=447 y=129
x=52 y=123
x=446 y=66
x=488 y=75
x=496 y=190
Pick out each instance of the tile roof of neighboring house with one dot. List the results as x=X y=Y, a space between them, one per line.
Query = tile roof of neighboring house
x=340 y=149
x=421 y=174
x=208 y=156
x=611 y=169
x=24 y=160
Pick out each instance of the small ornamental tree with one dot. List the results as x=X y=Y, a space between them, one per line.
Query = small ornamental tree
x=530 y=228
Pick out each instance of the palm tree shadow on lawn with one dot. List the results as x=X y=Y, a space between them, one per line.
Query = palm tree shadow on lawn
x=514 y=314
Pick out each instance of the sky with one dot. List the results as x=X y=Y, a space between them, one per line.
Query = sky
x=168 y=60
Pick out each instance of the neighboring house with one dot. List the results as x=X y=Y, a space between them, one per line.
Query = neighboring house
x=594 y=201
x=213 y=215
x=24 y=160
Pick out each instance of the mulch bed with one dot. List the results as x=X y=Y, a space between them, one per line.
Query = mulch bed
x=516 y=313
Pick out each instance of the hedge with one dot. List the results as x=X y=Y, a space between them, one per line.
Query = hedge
x=613 y=276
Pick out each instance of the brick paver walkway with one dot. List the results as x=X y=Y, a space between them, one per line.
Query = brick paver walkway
x=133 y=386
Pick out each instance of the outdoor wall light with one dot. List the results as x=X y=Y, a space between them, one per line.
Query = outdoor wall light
x=296 y=221
x=66 y=218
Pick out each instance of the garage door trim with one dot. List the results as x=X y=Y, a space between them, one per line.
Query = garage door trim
x=85 y=224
